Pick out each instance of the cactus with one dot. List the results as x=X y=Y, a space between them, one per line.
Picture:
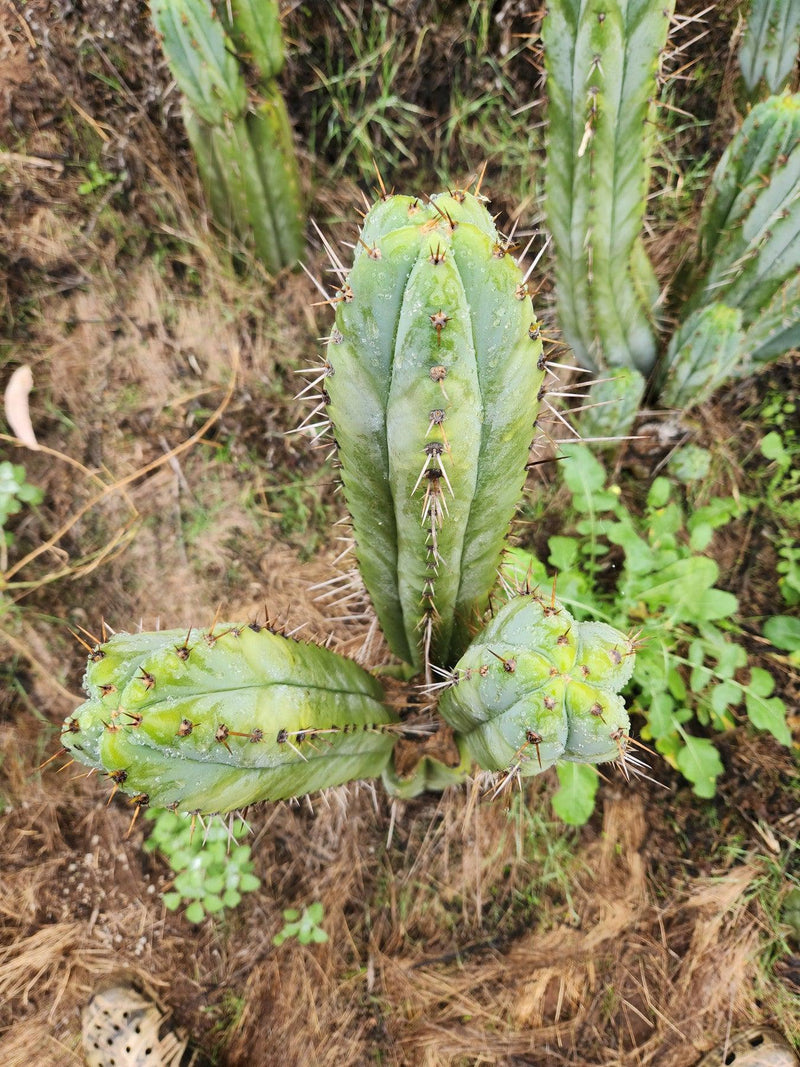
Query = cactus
x=241 y=138
x=214 y=720
x=770 y=45
x=745 y=306
x=704 y=352
x=602 y=60
x=432 y=379
x=749 y=236
x=537 y=688
x=432 y=384
x=255 y=29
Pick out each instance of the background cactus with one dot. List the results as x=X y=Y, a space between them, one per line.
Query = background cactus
x=740 y=303
x=770 y=45
x=602 y=62
x=432 y=379
x=214 y=720
x=225 y=58
x=744 y=306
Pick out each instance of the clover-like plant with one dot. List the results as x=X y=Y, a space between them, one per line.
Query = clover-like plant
x=212 y=869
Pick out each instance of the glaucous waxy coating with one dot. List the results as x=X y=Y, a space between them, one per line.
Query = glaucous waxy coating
x=537 y=687
x=213 y=721
x=435 y=366
x=202 y=58
x=602 y=59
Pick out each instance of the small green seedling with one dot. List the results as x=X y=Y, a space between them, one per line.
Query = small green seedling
x=211 y=869
x=306 y=927
x=96 y=179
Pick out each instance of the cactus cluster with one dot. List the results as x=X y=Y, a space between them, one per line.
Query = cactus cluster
x=432 y=382
x=740 y=305
x=225 y=57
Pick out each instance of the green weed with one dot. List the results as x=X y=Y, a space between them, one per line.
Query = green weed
x=211 y=869
x=648 y=574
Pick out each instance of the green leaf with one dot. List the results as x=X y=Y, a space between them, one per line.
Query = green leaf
x=761 y=682
x=772 y=448
x=214 y=883
x=768 y=714
x=213 y=903
x=660 y=718
x=573 y=801
x=194 y=913
x=172 y=901
x=783 y=631
x=699 y=762
x=724 y=696
x=659 y=493
x=701 y=536
x=316 y=912
x=319 y=936
x=248 y=882
x=563 y=552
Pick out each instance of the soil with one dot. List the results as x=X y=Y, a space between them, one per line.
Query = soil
x=462 y=929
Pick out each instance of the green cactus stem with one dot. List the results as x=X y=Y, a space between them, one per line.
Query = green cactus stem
x=439 y=761
x=750 y=232
x=537 y=688
x=215 y=719
x=770 y=45
x=432 y=379
x=201 y=57
x=602 y=59
x=238 y=128
x=255 y=28
x=706 y=351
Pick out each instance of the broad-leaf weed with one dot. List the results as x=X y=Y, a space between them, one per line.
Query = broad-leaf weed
x=691 y=677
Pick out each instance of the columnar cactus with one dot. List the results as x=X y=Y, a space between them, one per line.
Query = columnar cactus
x=215 y=719
x=432 y=382
x=240 y=132
x=433 y=372
x=602 y=59
x=770 y=44
x=537 y=687
x=750 y=223
x=744 y=306
x=705 y=351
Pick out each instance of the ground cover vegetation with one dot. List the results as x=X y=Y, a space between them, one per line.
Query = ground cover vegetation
x=415 y=927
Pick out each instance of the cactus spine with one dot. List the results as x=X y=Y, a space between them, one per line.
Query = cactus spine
x=434 y=369
x=537 y=687
x=770 y=45
x=214 y=720
x=602 y=61
x=241 y=138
